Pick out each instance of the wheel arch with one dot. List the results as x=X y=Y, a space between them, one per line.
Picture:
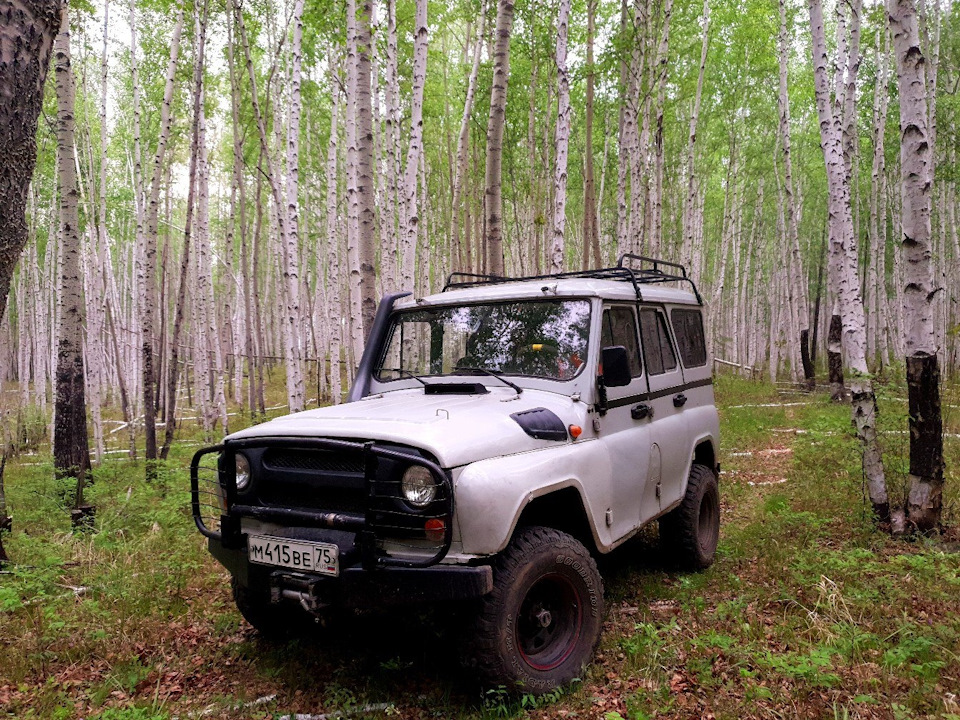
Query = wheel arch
x=562 y=510
x=705 y=454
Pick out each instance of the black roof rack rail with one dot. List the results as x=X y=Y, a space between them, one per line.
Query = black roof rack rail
x=657 y=271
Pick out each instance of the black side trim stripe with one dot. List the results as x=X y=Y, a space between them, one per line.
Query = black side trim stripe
x=641 y=397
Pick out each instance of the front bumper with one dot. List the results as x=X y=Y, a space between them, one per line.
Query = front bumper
x=356 y=587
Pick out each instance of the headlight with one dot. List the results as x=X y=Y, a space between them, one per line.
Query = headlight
x=242 y=471
x=419 y=488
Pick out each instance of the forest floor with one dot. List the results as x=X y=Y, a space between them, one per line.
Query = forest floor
x=809 y=611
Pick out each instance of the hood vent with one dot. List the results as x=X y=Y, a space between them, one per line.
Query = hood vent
x=455 y=389
x=541 y=424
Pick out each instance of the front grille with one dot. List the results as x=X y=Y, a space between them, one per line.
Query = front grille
x=328 y=499
x=314 y=461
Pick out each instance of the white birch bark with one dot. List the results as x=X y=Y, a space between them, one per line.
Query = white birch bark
x=463 y=137
x=562 y=142
x=333 y=239
x=353 y=194
x=148 y=271
x=288 y=248
x=925 y=499
x=365 y=180
x=411 y=210
x=844 y=254
x=291 y=250
x=690 y=199
x=495 y=127
x=70 y=448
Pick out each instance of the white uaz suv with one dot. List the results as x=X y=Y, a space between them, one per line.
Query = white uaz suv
x=498 y=436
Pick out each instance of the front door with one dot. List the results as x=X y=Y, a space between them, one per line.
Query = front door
x=625 y=435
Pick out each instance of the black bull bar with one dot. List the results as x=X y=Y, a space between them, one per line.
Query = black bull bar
x=371 y=527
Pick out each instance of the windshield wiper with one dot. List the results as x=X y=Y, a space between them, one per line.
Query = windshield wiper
x=406 y=373
x=492 y=373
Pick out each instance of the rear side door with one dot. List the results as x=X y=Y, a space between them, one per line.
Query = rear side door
x=670 y=448
x=626 y=436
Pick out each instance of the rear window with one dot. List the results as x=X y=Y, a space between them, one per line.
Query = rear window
x=657 y=349
x=688 y=329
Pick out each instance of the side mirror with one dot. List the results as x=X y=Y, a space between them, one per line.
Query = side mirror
x=615 y=366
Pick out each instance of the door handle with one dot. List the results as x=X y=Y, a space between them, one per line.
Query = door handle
x=641 y=411
x=679 y=400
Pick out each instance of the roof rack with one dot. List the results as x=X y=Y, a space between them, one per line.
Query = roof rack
x=655 y=272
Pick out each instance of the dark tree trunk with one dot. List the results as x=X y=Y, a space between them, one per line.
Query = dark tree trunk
x=835 y=357
x=809 y=375
x=816 y=305
x=6 y=522
x=926 y=442
x=26 y=43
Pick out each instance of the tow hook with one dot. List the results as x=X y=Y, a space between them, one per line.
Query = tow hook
x=299 y=588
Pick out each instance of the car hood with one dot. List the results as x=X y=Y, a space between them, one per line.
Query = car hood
x=455 y=429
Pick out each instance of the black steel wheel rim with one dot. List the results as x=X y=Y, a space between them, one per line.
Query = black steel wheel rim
x=549 y=623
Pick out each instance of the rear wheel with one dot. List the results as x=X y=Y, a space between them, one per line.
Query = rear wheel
x=539 y=626
x=690 y=532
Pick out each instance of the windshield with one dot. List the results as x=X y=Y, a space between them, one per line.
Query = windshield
x=544 y=338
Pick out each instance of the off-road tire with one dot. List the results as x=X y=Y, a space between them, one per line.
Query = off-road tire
x=273 y=622
x=539 y=626
x=690 y=532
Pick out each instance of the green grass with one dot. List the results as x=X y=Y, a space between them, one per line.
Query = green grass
x=809 y=610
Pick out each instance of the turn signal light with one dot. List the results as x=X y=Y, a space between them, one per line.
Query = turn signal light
x=575 y=431
x=435 y=528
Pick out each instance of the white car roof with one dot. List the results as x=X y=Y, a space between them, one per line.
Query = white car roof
x=550 y=287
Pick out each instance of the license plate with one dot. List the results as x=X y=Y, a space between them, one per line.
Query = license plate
x=311 y=557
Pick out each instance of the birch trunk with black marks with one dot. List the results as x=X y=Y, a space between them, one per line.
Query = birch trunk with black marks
x=366 y=186
x=798 y=282
x=173 y=368
x=562 y=142
x=291 y=248
x=690 y=221
x=495 y=126
x=925 y=498
x=26 y=43
x=591 y=234
x=843 y=253
x=411 y=218
x=71 y=454
x=462 y=248
x=291 y=274
x=354 y=277
x=333 y=236
x=147 y=275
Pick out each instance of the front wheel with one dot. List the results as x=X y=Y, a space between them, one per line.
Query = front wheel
x=690 y=532
x=539 y=626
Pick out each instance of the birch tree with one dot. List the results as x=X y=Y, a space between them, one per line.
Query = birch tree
x=411 y=210
x=925 y=498
x=26 y=43
x=463 y=137
x=147 y=272
x=843 y=255
x=495 y=125
x=71 y=453
x=798 y=285
x=562 y=141
x=366 y=185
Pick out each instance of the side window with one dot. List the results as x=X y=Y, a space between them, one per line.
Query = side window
x=657 y=348
x=688 y=329
x=620 y=328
